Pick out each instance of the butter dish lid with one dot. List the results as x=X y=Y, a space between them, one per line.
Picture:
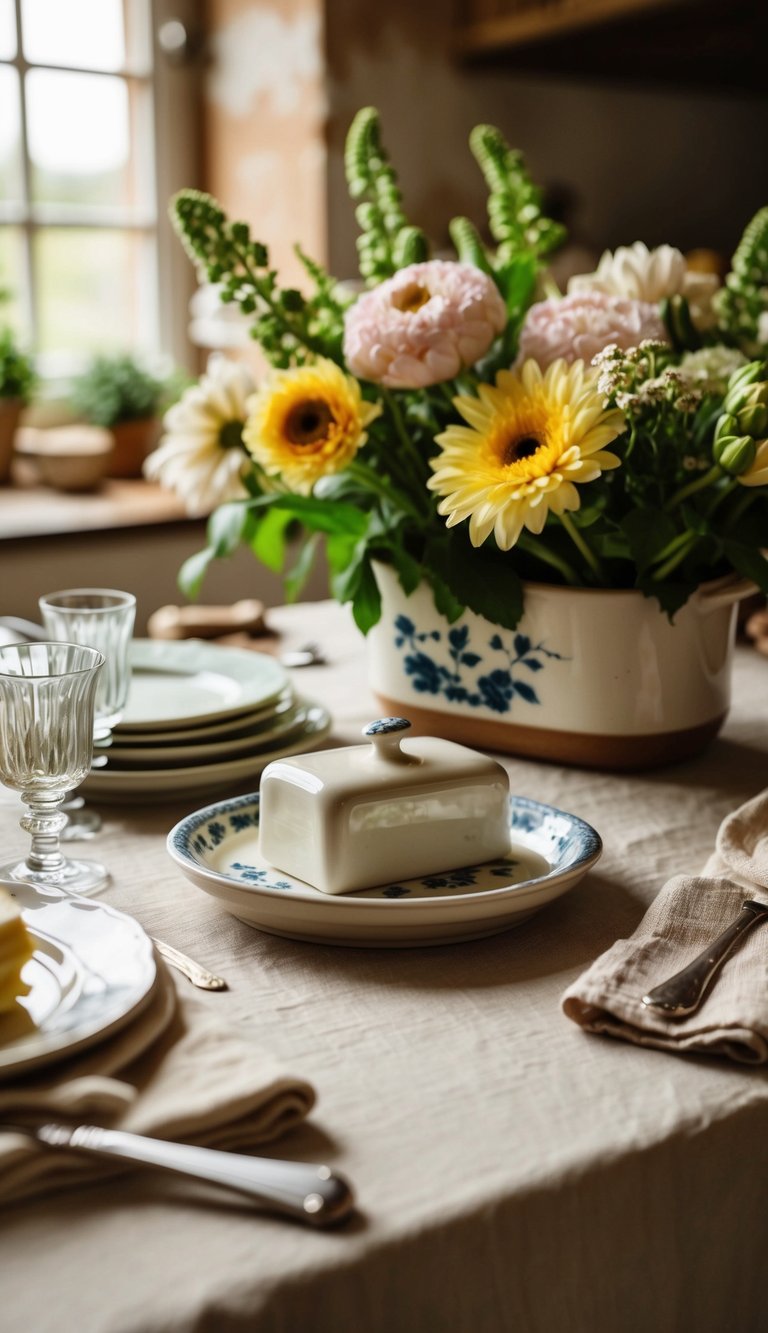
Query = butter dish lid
x=389 y=760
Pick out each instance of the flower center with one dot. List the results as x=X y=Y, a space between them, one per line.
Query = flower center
x=308 y=422
x=523 y=447
x=411 y=298
x=231 y=435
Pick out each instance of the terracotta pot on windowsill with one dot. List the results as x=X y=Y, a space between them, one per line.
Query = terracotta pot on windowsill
x=133 y=441
x=10 y=411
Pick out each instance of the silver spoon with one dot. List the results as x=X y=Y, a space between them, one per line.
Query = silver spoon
x=681 y=994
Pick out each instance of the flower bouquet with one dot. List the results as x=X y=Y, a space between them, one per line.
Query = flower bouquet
x=467 y=424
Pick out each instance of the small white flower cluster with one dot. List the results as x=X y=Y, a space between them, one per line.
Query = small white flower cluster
x=710 y=368
x=635 y=383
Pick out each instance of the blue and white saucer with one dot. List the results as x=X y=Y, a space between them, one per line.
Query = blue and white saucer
x=217 y=848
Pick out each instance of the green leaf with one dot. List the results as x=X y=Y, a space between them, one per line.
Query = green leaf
x=409 y=571
x=748 y=562
x=670 y=596
x=366 y=604
x=297 y=576
x=648 y=532
x=331 y=516
x=268 y=539
x=226 y=526
x=445 y=602
x=193 y=571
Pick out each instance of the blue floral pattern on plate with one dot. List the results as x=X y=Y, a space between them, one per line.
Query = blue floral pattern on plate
x=544 y=842
x=458 y=681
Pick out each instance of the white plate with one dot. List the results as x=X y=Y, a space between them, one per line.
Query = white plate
x=93 y=969
x=175 y=683
x=271 y=732
x=204 y=730
x=218 y=850
x=144 y=784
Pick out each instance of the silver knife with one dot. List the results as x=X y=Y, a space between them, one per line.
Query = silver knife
x=682 y=993
x=312 y=1194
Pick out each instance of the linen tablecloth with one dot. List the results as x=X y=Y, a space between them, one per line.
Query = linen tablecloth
x=513 y=1173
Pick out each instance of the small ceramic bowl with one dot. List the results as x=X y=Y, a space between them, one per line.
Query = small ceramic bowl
x=68 y=458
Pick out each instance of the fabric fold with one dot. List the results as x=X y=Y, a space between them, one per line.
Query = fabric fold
x=687 y=915
x=177 y=1072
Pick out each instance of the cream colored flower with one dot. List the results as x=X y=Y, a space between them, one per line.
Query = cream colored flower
x=757 y=473
x=201 y=454
x=423 y=325
x=529 y=442
x=651 y=275
x=306 y=423
x=710 y=368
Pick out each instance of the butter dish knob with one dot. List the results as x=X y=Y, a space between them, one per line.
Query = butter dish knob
x=385 y=734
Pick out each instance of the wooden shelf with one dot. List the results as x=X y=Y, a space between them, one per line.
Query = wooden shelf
x=717 y=44
x=35 y=511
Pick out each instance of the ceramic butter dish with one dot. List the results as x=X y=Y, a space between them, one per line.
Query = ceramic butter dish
x=390 y=810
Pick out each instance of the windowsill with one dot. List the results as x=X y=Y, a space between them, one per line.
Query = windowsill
x=30 y=510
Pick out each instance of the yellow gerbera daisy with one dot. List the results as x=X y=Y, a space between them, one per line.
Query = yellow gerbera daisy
x=306 y=423
x=528 y=441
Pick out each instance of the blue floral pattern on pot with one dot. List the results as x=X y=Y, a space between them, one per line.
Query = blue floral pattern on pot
x=470 y=677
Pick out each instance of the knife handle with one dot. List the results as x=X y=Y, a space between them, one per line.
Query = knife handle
x=309 y=1193
x=682 y=994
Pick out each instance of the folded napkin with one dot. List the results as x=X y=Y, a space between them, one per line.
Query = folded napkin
x=689 y=912
x=177 y=1072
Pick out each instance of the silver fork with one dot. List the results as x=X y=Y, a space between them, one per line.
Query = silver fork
x=312 y=1194
x=194 y=972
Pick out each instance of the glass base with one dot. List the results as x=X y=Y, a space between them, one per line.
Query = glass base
x=84 y=877
x=81 y=824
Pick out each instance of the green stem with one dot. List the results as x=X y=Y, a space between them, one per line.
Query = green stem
x=699 y=484
x=587 y=552
x=375 y=483
x=671 y=547
x=548 y=557
x=674 y=560
x=411 y=454
x=317 y=349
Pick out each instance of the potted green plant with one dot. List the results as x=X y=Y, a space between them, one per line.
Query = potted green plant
x=119 y=393
x=16 y=381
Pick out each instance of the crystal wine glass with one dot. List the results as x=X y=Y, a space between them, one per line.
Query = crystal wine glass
x=100 y=618
x=47 y=695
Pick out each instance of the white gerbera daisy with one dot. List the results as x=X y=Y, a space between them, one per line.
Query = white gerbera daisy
x=201 y=454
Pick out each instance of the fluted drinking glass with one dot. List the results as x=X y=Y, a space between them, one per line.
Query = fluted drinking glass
x=47 y=698
x=100 y=618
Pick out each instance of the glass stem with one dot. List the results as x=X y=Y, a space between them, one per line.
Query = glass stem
x=44 y=823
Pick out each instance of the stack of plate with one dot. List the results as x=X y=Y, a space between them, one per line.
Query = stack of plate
x=201 y=718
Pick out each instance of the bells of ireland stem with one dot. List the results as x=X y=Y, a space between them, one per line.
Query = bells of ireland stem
x=735 y=453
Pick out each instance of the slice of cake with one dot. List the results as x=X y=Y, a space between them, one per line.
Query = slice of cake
x=15 y=951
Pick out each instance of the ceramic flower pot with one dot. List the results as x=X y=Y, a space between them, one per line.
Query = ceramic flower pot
x=133 y=441
x=597 y=678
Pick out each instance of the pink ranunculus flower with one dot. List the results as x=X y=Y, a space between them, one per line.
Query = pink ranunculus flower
x=579 y=326
x=423 y=325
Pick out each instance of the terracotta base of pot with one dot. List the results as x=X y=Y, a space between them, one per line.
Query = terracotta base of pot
x=616 y=753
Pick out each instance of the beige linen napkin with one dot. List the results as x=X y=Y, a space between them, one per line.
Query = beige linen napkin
x=686 y=916
x=177 y=1072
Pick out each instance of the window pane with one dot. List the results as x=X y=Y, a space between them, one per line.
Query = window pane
x=84 y=33
x=92 y=294
x=79 y=139
x=12 y=309
x=7 y=30
x=11 y=188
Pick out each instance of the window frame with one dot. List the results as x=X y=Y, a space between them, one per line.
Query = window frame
x=169 y=161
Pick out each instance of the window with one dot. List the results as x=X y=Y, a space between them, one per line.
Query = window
x=87 y=165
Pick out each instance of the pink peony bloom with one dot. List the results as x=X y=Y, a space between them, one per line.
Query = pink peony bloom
x=424 y=325
x=579 y=326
